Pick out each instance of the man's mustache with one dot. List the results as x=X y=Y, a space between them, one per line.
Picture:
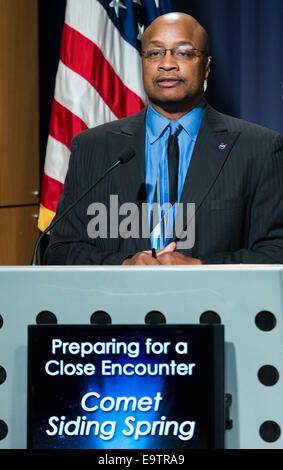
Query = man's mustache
x=163 y=78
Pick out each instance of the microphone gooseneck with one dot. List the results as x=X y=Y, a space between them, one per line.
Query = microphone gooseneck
x=124 y=157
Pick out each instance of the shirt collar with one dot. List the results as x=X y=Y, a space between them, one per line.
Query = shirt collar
x=156 y=124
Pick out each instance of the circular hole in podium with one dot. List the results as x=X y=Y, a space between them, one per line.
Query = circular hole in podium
x=270 y=431
x=210 y=317
x=268 y=375
x=3 y=375
x=100 y=318
x=3 y=429
x=1 y=321
x=46 y=318
x=265 y=320
x=154 y=318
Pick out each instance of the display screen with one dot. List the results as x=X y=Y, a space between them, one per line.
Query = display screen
x=125 y=387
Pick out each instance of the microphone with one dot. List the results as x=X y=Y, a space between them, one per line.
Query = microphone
x=124 y=157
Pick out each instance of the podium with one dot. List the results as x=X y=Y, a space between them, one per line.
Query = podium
x=247 y=300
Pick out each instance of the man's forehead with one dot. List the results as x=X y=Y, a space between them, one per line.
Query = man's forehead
x=178 y=27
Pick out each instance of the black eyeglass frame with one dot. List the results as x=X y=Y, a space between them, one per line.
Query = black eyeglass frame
x=172 y=51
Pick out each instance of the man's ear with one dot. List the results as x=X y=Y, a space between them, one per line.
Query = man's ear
x=207 y=68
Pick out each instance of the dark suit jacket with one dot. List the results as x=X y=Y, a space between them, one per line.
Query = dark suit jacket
x=237 y=188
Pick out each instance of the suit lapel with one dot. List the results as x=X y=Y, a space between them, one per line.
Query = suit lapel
x=212 y=148
x=129 y=180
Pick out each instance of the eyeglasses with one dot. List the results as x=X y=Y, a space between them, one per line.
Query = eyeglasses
x=179 y=52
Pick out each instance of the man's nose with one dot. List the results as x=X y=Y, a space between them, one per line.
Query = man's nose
x=168 y=62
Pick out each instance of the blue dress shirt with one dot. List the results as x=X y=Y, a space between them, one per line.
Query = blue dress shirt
x=156 y=171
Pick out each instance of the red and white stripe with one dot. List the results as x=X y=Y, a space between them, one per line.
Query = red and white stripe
x=98 y=80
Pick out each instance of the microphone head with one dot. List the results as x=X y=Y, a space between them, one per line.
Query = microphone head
x=126 y=155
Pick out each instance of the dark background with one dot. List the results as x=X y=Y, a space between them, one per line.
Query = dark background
x=246 y=39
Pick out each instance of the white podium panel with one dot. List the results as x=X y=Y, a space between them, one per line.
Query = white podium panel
x=246 y=299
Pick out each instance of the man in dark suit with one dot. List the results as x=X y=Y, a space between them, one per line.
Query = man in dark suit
x=230 y=169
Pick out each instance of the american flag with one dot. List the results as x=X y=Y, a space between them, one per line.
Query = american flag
x=98 y=79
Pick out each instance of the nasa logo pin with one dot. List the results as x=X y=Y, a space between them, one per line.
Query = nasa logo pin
x=222 y=146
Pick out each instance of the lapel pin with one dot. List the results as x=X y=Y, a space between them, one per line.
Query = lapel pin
x=222 y=146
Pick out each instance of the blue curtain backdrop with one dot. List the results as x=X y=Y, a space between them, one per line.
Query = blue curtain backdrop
x=246 y=38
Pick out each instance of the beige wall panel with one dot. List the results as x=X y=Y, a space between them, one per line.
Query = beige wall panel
x=19 y=139
x=18 y=234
